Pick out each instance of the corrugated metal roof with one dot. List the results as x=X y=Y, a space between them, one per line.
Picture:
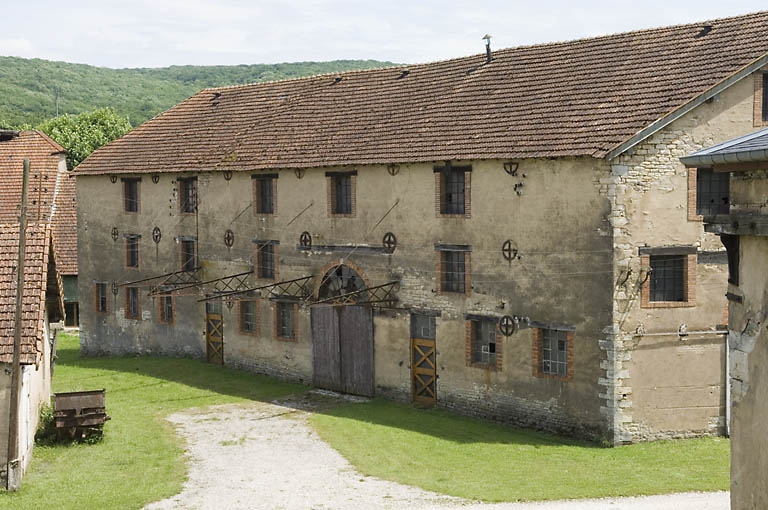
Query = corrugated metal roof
x=751 y=147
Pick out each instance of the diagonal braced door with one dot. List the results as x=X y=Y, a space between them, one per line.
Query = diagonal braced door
x=423 y=371
x=214 y=333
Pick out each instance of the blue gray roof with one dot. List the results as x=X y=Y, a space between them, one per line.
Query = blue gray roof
x=751 y=147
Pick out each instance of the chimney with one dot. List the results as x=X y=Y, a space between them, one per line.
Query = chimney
x=489 y=57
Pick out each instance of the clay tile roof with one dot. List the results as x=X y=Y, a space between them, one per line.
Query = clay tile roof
x=51 y=190
x=576 y=98
x=36 y=282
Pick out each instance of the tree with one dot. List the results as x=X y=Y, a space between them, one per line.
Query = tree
x=82 y=134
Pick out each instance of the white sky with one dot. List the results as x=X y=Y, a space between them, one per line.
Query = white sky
x=159 y=33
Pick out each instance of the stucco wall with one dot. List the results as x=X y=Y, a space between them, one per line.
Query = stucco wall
x=557 y=223
x=649 y=192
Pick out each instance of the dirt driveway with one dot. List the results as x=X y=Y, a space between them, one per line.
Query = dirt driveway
x=266 y=456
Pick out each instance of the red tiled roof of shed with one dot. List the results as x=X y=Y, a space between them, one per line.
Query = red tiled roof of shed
x=51 y=190
x=36 y=282
x=577 y=98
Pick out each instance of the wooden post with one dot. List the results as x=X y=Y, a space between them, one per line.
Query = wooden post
x=13 y=473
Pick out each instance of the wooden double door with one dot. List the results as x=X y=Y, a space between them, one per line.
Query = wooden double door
x=342 y=348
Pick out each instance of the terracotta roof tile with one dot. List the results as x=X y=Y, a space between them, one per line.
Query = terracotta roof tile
x=575 y=98
x=38 y=250
x=51 y=191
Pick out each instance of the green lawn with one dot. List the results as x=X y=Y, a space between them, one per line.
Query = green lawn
x=140 y=459
x=471 y=459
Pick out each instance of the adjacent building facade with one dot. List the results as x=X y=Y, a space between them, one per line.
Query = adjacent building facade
x=510 y=237
x=742 y=164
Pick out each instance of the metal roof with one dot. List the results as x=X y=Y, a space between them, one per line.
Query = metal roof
x=751 y=147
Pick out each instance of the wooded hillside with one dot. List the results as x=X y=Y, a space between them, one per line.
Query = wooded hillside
x=28 y=87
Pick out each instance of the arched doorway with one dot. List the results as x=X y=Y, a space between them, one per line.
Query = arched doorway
x=342 y=333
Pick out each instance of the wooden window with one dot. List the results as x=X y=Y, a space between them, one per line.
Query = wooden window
x=188 y=254
x=341 y=193
x=166 y=309
x=484 y=343
x=264 y=194
x=712 y=192
x=286 y=326
x=553 y=353
x=131 y=195
x=132 y=303
x=101 y=297
x=266 y=260
x=453 y=269
x=671 y=277
x=453 y=190
x=249 y=312
x=188 y=194
x=132 y=251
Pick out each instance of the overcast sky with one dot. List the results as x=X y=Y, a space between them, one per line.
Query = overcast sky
x=159 y=33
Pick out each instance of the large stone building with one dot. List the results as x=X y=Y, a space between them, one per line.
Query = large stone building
x=743 y=229
x=510 y=236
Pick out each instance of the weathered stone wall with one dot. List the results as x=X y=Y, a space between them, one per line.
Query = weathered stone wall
x=649 y=192
x=550 y=211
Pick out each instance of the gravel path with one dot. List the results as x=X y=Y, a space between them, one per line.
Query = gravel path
x=266 y=456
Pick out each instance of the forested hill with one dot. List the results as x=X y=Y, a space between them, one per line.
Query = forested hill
x=28 y=87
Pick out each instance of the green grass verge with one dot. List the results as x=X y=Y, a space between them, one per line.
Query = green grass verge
x=471 y=459
x=140 y=459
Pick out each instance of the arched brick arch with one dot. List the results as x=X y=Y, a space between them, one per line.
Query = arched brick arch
x=334 y=264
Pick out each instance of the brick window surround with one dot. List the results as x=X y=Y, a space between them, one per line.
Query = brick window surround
x=675 y=269
x=286 y=323
x=265 y=259
x=452 y=269
x=249 y=316
x=166 y=309
x=264 y=194
x=761 y=99
x=132 y=303
x=132 y=242
x=542 y=340
x=708 y=193
x=342 y=194
x=483 y=345
x=101 y=300
x=453 y=189
x=131 y=198
x=187 y=188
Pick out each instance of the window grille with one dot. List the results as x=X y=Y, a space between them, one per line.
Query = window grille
x=452 y=192
x=265 y=199
x=265 y=255
x=132 y=310
x=188 y=249
x=484 y=341
x=132 y=251
x=423 y=326
x=554 y=352
x=453 y=271
x=248 y=316
x=342 y=194
x=667 y=277
x=166 y=309
x=712 y=192
x=101 y=297
x=286 y=321
x=131 y=195
x=188 y=195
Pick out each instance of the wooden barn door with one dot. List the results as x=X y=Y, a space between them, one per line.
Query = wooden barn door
x=342 y=349
x=214 y=333
x=423 y=360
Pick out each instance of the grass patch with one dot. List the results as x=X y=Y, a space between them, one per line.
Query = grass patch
x=139 y=459
x=472 y=459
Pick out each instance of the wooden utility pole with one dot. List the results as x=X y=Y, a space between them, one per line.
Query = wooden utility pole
x=13 y=472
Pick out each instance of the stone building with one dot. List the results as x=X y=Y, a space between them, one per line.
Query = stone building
x=509 y=235
x=742 y=165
